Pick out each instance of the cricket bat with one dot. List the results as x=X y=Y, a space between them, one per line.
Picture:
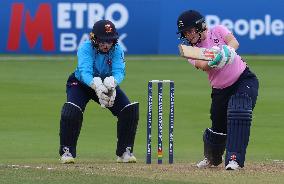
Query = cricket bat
x=197 y=53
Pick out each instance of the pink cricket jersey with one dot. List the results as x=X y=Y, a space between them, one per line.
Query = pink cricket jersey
x=229 y=74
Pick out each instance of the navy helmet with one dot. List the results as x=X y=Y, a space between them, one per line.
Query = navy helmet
x=188 y=20
x=103 y=31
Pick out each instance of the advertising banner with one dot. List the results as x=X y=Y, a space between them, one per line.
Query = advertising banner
x=144 y=26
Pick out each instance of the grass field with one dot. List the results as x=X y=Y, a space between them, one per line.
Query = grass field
x=33 y=91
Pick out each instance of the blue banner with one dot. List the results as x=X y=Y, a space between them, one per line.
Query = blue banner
x=144 y=26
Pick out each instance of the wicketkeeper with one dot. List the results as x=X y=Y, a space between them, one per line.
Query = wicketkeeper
x=234 y=91
x=100 y=70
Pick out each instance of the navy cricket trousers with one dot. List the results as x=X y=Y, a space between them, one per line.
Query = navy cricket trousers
x=247 y=83
x=80 y=94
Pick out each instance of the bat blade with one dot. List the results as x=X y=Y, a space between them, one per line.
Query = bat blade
x=197 y=53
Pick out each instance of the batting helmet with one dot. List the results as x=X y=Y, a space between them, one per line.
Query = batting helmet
x=103 y=31
x=190 y=19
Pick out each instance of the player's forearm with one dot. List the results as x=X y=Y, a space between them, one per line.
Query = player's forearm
x=234 y=44
x=203 y=65
x=87 y=79
x=232 y=41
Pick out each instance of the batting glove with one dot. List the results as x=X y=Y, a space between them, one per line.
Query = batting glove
x=218 y=61
x=231 y=53
x=225 y=55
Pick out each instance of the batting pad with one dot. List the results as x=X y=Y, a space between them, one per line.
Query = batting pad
x=126 y=127
x=238 y=127
x=70 y=127
x=214 y=146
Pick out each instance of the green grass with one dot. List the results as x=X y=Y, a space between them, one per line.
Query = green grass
x=33 y=91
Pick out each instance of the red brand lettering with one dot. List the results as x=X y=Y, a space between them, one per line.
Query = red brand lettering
x=15 y=26
x=40 y=25
x=209 y=54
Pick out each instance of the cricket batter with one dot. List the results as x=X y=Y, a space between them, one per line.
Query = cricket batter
x=100 y=70
x=234 y=91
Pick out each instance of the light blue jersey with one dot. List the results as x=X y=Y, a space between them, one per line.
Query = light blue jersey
x=92 y=64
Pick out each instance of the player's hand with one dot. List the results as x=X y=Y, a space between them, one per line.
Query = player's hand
x=230 y=53
x=104 y=103
x=112 y=95
x=218 y=61
x=104 y=100
x=100 y=89
x=109 y=83
x=224 y=55
x=108 y=101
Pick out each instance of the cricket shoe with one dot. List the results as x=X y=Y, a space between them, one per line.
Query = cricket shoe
x=67 y=157
x=232 y=165
x=127 y=157
x=205 y=163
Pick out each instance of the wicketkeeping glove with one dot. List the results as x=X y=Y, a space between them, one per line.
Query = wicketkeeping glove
x=109 y=83
x=104 y=103
x=112 y=95
x=109 y=100
x=100 y=90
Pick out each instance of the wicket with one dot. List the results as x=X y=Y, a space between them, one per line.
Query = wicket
x=160 y=120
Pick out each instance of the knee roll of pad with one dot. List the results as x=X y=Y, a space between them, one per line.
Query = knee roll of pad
x=71 y=112
x=238 y=127
x=129 y=113
x=240 y=107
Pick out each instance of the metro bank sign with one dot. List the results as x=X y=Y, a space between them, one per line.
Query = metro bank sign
x=60 y=27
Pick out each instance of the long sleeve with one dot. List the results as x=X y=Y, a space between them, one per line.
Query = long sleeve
x=118 y=65
x=84 y=71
